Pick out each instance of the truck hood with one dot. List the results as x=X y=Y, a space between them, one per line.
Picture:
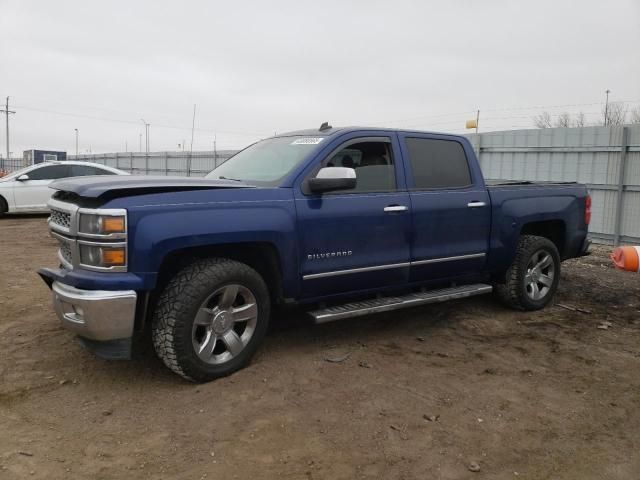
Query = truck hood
x=111 y=186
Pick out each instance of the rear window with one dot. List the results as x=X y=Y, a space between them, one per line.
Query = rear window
x=438 y=163
x=84 y=170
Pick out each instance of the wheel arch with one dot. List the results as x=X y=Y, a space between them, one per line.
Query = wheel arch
x=263 y=257
x=554 y=230
x=4 y=204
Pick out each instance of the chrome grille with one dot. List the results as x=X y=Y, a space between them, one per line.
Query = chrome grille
x=65 y=251
x=62 y=219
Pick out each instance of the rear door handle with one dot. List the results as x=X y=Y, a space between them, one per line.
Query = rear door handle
x=396 y=208
x=476 y=204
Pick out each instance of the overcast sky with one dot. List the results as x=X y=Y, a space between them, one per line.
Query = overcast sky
x=255 y=68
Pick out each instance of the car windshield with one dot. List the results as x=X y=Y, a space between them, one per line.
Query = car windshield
x=266 y=162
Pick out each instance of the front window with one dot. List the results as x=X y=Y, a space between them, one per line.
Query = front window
x=266 y=162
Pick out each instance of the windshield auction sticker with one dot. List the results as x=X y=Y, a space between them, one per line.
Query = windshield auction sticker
x=307 y=141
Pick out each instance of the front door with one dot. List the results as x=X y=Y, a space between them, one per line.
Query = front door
x=356 y=239
x=34 y=193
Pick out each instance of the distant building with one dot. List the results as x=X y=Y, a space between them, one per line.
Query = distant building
x=31 y=157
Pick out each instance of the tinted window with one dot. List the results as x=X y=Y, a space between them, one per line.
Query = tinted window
x=82 y=170
x=438 y=163
x=50 y=172
x=372 y=162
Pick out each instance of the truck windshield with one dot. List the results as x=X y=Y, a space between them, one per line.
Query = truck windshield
x=266 y=162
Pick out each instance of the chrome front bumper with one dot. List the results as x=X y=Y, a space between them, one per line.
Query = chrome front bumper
x=95 y=314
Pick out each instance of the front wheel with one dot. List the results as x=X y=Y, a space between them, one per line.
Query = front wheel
x=4 y=208
x=210 y=319
x=532 y=278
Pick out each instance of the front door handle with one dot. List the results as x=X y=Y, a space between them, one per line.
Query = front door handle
x=476 y=204
x=396 y=208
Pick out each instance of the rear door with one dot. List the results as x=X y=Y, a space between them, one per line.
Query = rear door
x=356 y=239
x=450 y=206
x=34 y=193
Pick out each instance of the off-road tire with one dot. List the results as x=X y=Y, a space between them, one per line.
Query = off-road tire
x=175 y=311
x=513 y=291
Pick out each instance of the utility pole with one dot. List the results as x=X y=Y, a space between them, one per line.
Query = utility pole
x=7 y=112
x=477 y=120
x=76 y=141
x=606 y=107
x=215 y=150
x=146 y=144
x=193 y=125
x=140 y=143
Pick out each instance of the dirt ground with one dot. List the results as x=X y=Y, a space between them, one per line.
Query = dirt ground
x=423 y=394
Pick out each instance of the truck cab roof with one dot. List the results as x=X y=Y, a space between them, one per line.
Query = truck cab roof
x=330 y=131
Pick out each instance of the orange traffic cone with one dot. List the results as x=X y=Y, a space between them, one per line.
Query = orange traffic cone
x=627 y=258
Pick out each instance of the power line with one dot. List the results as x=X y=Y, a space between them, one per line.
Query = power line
x=133 y=122
x=530 y=107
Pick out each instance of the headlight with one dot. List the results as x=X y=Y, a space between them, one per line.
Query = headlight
x=103 y=256
x=102 y=239
x=98 y=224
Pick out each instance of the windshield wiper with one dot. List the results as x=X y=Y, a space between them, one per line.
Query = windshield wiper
x=232 y=179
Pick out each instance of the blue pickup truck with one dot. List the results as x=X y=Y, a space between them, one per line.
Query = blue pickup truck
x=345 y=221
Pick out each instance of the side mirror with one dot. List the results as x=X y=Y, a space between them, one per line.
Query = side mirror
x=23 y=178
x=333 y=178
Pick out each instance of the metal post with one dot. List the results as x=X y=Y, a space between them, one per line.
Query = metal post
x=76 y=141
x=7 y=112
x=621 y=178
x=215 y=151
x=479 y=147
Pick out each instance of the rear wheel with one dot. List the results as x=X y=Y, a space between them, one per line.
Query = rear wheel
x=210 y=319
x=532 y=278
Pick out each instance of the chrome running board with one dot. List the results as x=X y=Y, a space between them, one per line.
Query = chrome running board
x=385 y=304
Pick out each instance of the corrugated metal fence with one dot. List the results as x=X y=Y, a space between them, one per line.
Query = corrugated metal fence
x=196 y=164
x=11 y=164
x=607 y=159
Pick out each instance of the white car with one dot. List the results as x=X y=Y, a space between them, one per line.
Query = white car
x=27 y=190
